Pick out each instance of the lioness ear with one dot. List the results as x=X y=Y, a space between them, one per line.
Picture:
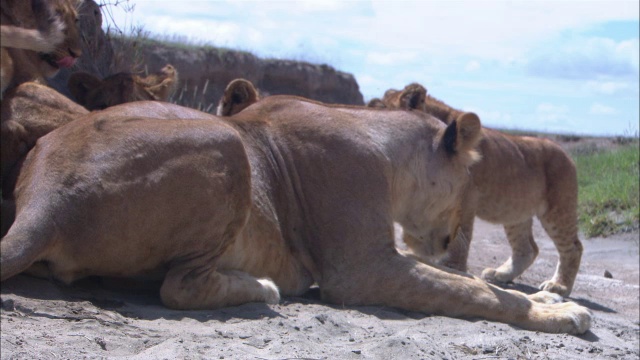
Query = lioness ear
x=243 y=92
x=80 y=83
x=413 y=96
x=239 y=94
x=462 y=136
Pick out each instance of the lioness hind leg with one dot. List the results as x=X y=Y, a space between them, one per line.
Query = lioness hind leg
x=190 y=288
x=523 y=252
x=564 y=234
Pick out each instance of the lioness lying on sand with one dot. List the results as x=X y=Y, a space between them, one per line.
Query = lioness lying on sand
x=518 y=178
x=286 y=193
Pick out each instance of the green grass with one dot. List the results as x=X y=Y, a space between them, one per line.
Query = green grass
x=609 y=200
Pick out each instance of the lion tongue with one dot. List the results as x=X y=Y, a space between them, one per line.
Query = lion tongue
x=66 y=62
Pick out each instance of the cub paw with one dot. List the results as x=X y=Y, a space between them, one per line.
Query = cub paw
x=271 y=294
x=545 y=297
x=495 y=276
x=555 y=287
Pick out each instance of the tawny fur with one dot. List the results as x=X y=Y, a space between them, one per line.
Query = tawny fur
x=519 y=178
x=38 y=38
x=238 y=94
x=287 y=189
x=120 y=88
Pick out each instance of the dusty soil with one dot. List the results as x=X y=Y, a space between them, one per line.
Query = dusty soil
x=43 y=320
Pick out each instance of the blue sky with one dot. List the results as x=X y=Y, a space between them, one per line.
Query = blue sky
x=556 y=66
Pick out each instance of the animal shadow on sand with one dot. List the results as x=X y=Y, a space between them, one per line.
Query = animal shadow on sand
x=580 y=301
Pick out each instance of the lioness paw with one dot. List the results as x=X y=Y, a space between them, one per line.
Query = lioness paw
x=270 y=291
x=554 y=287
x=567 y=317
x=545 y=297
x=576 y=319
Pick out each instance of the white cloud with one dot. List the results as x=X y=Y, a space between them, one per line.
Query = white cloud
x=472 y=66
x=391 y=58
x=607 y=87
x=600 y=109
x=551 y=114
x=585 y=58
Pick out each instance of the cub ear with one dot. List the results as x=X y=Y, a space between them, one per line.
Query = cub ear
x=80 y=83
x=413 y=96
x=462 y=137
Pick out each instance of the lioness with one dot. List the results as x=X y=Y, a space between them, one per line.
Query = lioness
x=287 y=189
x=238 y=94
x=519 y=177
x=31 y=111
x=96 y=94
x=25 y=56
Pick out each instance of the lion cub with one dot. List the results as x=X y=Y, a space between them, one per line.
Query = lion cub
x=38 y=38
x=518 y=178
x=120 y=88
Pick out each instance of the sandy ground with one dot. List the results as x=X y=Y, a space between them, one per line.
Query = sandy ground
x=43 y=320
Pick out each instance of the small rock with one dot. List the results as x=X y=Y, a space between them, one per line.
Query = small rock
x=8 y=304
x=489 y=350
x=100 y=341
x=357 y=352
x=607 y=274
x=322 y=318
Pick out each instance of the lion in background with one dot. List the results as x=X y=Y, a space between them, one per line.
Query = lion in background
x=518 y=178
x=96 y=94
x=38 y=38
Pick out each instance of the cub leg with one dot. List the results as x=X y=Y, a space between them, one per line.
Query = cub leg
x=563 y=232
x=191 y=287
x=523 y=251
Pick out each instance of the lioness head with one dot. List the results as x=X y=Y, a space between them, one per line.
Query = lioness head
x=239 y=94
x=120 y=88
x=459 y=141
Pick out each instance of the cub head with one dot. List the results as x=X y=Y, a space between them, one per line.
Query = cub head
x=412 y=97
x=96 y=94
x=376 y=103
x=65 y=54
x=440 y=189
x=238 y=94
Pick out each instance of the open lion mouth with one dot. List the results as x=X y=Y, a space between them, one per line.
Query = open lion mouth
x=65 y=62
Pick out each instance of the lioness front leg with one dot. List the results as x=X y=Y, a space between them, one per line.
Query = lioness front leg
x=204 y=287
x=523 y=252
x=402 y=282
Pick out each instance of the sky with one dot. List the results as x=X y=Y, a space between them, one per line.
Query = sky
x=554 y=66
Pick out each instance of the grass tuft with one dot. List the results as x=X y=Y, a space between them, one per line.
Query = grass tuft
x=609 y=193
